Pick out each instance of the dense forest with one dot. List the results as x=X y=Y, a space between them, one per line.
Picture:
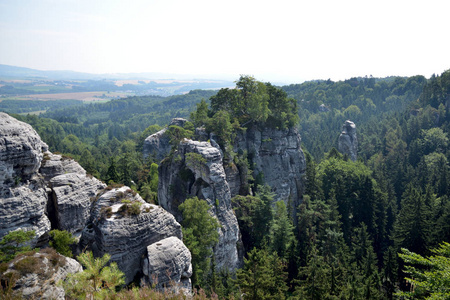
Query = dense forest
x=363 y=226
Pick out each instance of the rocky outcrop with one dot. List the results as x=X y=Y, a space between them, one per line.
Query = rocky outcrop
x=23 y=197
x=54 y=165
x=158 y=145
x=196 y=169
x=21 y=151
x=348 y=142
x=23 y=208
x=277 y=159
x=123 y=225
x=41 y=191
x=70 y=199
x=36 y=276
x=171 y=259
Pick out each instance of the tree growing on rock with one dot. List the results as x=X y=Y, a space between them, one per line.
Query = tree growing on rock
x=200 y=235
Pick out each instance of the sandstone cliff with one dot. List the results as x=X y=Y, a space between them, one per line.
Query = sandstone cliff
x=123 y=225
x=277 y=158
x=41 y=191
x=348 y=142
x=185 y=175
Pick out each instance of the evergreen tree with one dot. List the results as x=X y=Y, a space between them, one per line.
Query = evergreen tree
x=262 y=276
x=200 y=235
x=282 y=231
x=112 y=175
x=412 y=227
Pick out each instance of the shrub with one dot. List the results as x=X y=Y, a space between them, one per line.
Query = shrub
x=61 y=241
x=106 y=212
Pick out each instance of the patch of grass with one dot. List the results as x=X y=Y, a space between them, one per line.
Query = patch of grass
x=106 y=212
x=132 y=208
x=28 y=265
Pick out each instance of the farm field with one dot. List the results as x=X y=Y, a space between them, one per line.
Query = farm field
x=99 y=96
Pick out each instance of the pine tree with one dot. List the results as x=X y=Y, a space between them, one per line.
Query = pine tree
x=262 y=276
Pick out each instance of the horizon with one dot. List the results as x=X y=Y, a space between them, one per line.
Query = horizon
x=286 y=42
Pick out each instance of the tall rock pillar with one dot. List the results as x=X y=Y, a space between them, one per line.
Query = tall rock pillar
x=348 y=142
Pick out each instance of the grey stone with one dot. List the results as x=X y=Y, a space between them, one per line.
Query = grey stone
x=158 y=145
x=206 y=180
x=21 y=151
x=71 y=197
x=277 y=158
x=167 y=264
x=348 y=142
x=126 y=237
x=43 y=284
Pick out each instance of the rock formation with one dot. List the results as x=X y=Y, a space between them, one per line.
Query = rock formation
x=172 y=260
x=21 y=152
x=277 y=158
x=348 y=143
x=37 y=275
x=123 y=225
x=196 y=169
x=22 y=193
x=41 y=191
x=158 y=144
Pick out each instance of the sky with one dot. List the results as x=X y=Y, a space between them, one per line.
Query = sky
x=278 y=41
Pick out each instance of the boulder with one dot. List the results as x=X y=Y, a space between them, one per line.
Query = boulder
x=348 y=142
x=70 y=199
x=123 y=225
x=167 y=264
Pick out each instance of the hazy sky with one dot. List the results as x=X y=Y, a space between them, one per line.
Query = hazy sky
x=289 y=41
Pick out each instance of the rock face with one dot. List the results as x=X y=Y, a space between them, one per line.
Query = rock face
x=22 y=194
x=172 y=260
x=23 y=208
x=123 y=225
x=158 y=144
x=348 y=143
x=21 y=151
x=70 y=200
x=41 y=191
x=196 y=169
x=277 y=158
x=38 y=280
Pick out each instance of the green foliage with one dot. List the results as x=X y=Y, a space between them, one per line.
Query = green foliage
x=254 y=215
x=429 y=276
x=254 y=102
x=15 y=242
x=281 y=231
x=177 y=133
x=97 y=281
x=262 y=276
x=200 y=235
x=61 y=241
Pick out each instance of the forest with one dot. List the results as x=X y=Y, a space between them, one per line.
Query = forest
x=376 y=228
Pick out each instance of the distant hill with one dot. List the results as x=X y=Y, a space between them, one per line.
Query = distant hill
x=20 y=72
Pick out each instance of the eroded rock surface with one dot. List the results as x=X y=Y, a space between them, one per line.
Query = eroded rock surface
x=158 y=145
x=21 y=151
x=70 y=200
x=348 y=142
x=37 y=275
x=202 y=175
x=277 y=159
x=123 y=225
x=171 y=259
